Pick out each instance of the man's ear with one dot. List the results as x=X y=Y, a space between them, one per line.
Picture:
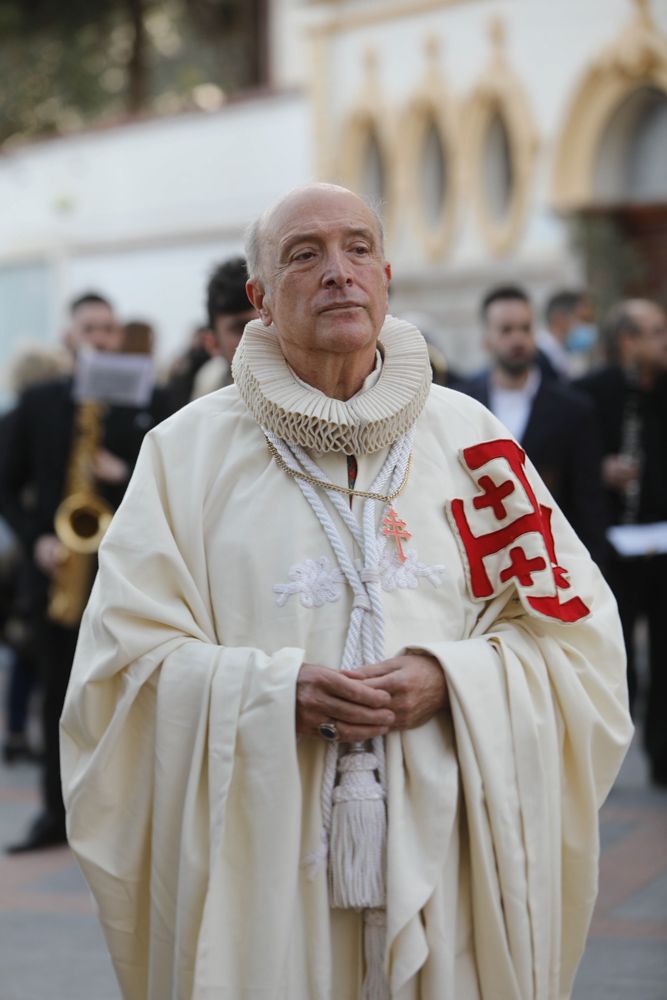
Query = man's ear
x=257 y=294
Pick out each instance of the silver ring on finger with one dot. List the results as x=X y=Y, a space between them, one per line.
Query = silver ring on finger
x=328 y=731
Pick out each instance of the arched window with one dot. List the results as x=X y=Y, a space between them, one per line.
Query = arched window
x=631 y=163
x=497 y=168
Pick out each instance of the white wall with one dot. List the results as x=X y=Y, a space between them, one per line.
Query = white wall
x=141 y=212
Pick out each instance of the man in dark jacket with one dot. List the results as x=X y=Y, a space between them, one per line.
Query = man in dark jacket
x=35 y=463
x=555 y=425
x=630 y=397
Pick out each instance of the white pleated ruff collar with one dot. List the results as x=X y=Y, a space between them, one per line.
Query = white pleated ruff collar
x=300 y=414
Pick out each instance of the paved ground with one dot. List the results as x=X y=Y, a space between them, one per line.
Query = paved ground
x=51 y=948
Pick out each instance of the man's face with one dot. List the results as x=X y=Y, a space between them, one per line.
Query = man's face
x=510 y=339
x=325 y=281
x=93 y=325
x=228 y=330
x=651 y=345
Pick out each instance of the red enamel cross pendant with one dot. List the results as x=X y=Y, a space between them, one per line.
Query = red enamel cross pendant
x=395 y=528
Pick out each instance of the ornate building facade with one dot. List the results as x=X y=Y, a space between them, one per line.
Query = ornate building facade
x=501 y=140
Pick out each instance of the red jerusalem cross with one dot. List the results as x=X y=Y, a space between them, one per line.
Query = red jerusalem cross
x=521 y=567
x=493 y=496
x=395 y=528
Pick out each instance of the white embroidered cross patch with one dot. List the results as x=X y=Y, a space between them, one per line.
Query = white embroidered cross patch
x=316 y=581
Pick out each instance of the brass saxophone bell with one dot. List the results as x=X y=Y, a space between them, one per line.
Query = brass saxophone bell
x=81 y=522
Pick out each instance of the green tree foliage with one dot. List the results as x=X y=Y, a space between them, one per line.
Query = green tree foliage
x=67 y=63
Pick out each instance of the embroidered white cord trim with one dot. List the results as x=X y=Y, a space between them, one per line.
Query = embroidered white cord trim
x=316 y=581
x=397 y=575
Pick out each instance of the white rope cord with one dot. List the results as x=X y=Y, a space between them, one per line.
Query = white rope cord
x=365 y=637
x=354 y=841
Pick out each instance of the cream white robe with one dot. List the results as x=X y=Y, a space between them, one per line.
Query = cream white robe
x=191 y=804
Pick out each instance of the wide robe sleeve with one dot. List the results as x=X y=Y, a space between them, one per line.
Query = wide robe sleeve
x=509 y=784
x=162 y=726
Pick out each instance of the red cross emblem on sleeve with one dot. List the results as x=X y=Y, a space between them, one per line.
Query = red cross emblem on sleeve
x=505 y=535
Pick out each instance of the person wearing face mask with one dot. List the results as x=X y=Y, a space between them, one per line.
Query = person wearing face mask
x=566 y=342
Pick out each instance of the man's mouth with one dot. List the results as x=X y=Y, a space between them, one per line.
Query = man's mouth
x=340 y=307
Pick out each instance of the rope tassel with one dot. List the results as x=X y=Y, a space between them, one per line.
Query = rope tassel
x=358 y=834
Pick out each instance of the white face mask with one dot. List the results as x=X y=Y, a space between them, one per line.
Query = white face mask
x=581 y=338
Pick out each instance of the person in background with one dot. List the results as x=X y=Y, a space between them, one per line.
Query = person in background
x=179 y=383
x=569 y=336
x=443 y=374
x=32 y=364
x=630 y=398
x=229 y=310
x=138 y=337
x=43 y=441
x=555 y=424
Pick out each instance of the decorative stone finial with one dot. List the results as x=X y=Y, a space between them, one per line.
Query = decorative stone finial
x=370 y=59
x=497 y=32
x=432 y=48
x=643 y=9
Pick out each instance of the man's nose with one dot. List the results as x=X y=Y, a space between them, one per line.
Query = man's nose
x=337 y=269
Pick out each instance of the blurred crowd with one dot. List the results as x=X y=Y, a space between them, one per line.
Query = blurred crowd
x=587 y=403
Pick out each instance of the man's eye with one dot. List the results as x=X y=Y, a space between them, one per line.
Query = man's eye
x=303 y=255
x=361 y=249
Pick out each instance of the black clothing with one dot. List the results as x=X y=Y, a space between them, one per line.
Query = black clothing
x=562 y=441
x=546 y=366
x=34 y=463
x=610 y=390
x=639 y=583
x=36 y=453
x=181 y=382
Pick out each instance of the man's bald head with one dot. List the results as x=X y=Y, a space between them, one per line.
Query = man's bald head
x=636 y=334
x=260 y=232
x=320 y=280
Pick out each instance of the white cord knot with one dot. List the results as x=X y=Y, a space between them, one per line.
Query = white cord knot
x=357 y=778
x=362 y=601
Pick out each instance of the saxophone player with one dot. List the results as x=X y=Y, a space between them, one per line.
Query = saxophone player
x=44 y=444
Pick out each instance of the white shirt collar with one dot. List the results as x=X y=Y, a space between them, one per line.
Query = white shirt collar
x=512 y=406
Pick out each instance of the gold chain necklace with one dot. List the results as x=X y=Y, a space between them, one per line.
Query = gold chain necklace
x=282 y=464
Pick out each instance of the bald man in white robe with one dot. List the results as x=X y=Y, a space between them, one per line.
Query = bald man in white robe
x=329 y=567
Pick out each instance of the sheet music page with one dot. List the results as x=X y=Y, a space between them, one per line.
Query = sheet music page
x=639 y=539
x=118 y=379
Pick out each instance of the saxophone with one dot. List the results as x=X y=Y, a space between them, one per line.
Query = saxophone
x=80 y=521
